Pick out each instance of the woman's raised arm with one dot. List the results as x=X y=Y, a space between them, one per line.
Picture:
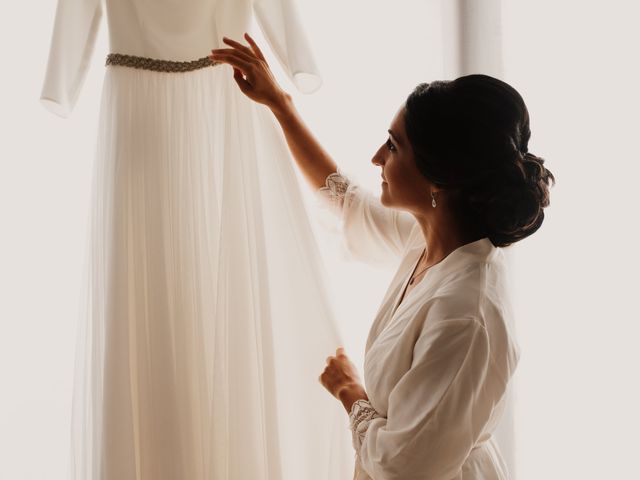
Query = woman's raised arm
x=372 y=233
x=256 y=81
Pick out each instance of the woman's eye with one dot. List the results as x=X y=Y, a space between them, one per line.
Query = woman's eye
x=390 y=145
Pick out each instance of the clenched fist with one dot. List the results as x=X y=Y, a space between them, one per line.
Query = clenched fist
x=341 y=379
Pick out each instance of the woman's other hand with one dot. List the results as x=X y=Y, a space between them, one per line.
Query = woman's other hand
x=251 y=71
x=341 y=379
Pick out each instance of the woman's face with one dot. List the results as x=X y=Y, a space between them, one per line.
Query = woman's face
x=403 y=185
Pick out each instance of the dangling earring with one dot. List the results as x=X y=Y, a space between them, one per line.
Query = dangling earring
x=433 y=200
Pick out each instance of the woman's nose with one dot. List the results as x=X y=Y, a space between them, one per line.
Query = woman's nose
x=377 y=159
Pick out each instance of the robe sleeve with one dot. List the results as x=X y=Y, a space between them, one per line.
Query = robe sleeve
x=437 y=410
x=371 y=232
x=74 y=34
x=281 y=26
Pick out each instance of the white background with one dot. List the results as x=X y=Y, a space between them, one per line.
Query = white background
x=576 y=280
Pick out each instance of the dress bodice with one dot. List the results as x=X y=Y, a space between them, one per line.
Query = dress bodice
x=178 y=30
x=172 y=29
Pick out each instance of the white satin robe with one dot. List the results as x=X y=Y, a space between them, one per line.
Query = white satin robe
x=436 y=368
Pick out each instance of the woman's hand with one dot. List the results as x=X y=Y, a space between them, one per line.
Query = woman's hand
x=253 y=76
x=340 y=378
x=251 y=72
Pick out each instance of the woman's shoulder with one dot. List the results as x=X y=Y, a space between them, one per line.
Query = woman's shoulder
x=474 y=286
x=475 y=295
x=477 y=319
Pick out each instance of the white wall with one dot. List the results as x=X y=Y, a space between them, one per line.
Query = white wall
x=44 y=192
x=576 y=65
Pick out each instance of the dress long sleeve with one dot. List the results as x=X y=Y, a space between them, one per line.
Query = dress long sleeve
x=437 y=410
x=372 y=232
x=74 y=34
x=280 y=23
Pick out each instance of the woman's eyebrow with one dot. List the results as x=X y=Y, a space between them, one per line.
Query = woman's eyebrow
x=395 y=139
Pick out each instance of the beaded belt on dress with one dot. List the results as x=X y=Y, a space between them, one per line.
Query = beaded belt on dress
x=158 y=65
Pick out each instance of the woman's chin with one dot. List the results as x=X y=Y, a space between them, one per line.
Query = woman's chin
x=384 y=196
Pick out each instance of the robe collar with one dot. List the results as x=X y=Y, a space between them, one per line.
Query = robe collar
x=478 y=251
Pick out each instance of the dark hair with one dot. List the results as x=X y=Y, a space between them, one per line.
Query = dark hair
x=470 y=136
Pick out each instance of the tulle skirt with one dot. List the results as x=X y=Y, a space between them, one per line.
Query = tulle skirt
x=206 y=323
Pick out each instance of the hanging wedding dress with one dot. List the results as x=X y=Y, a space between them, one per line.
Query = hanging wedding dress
x=206 y=323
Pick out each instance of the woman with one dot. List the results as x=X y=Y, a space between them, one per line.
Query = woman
x=458 y=183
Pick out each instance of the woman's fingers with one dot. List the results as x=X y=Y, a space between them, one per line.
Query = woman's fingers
x=240 y=80
x=254 y=51
x=258 y=82
x=340 y=355
x=254 y=47
x=237 y=45
x=234 y=60
x=247 y=58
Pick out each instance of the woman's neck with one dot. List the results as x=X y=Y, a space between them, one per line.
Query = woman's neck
x=442 y=236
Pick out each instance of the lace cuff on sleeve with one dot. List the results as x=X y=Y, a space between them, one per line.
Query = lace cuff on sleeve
x=333 y=193
x=360 y=416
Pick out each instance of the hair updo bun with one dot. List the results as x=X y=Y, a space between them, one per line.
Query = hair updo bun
x=470 y=136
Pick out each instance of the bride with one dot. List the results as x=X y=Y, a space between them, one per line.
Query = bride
x=458 y=186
